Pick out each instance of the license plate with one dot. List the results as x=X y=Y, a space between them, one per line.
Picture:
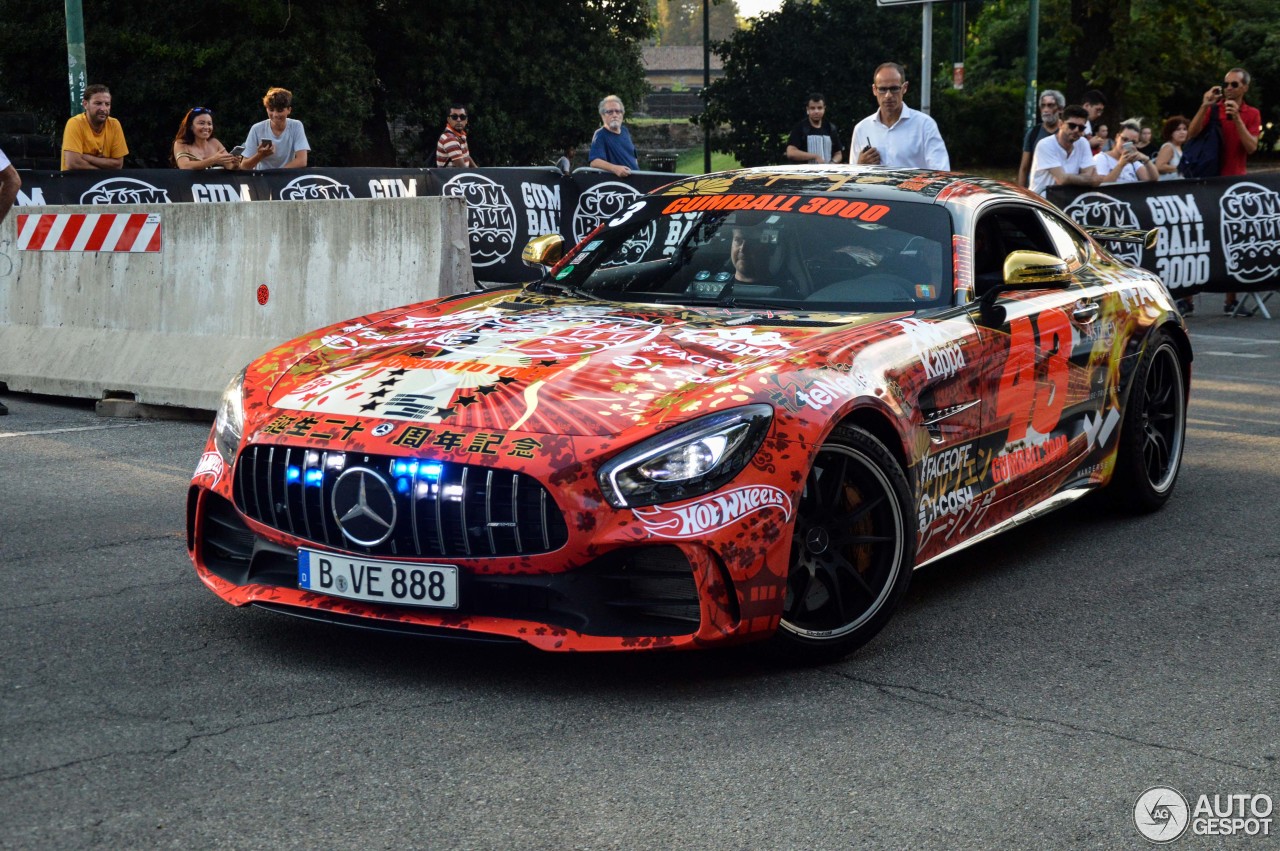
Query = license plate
x=377 y=581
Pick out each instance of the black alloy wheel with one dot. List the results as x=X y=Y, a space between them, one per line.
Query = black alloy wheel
x=852 y=549
x=1153 y=432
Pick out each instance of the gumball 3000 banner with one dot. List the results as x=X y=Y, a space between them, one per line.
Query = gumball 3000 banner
x=1218 y=234
x=506 y=207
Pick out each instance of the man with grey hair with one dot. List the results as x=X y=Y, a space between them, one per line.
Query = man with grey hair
x=611 y=147
x=1052 y=102
x=1241 y=125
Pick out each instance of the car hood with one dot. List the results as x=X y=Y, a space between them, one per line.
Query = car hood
x=541 y=366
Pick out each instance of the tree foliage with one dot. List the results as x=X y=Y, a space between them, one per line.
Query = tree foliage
x=771 y=68
x=1152 y=58
x=679 y=22
x=531 y=72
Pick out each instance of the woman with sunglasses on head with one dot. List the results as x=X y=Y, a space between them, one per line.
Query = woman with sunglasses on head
x=195 y=148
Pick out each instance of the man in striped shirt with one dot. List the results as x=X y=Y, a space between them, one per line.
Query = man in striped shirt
x=451 y=149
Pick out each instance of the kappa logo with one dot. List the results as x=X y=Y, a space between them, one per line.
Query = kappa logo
x=1251 y=232
x=1100 y=210
x=211 y=464
x=714 y=512
x=604 y=201
x=315 y=187
x=124 y=190
x=491 y=217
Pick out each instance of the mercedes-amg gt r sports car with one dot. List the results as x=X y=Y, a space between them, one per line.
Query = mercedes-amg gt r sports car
x=746 y=407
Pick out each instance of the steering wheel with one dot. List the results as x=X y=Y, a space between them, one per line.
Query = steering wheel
x=901 y=286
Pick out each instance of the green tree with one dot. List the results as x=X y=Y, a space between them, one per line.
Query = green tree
x=770 y=69
x=533 y=72
x=679 y=22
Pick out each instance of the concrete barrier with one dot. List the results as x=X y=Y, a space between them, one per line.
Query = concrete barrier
x=172 y=326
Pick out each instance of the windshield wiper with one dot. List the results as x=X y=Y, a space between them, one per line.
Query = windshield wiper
x=566 y=289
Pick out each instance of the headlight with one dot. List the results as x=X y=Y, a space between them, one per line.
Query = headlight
x=229 y=424
x=687 y=461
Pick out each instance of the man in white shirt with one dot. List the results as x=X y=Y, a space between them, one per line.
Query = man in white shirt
x=1124 y=163
x=895 y=135
x=1064 y=159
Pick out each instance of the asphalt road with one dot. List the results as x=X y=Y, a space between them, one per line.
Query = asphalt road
x=1026 y=694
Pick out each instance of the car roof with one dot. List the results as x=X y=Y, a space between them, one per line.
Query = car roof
x=864 y=182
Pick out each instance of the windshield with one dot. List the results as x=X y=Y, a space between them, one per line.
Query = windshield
x=806 y=253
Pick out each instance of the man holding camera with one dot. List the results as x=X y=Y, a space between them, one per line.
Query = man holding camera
x=1240 y=125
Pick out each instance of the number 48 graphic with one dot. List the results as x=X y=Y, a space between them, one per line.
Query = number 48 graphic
x=1033 y=386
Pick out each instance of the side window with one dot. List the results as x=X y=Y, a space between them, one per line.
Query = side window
x=999 y=233
x=1067 y=242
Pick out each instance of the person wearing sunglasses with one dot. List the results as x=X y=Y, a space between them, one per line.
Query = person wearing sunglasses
x=1065 y=158
x=1240 y=123
x=1052 y=102
x=280 y=141
x=611 y=147
x=93 y=139
x=895 y=135
x=194 y=146
x=452 y=149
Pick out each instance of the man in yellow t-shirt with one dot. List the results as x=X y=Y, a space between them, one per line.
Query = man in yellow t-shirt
x=93 y=139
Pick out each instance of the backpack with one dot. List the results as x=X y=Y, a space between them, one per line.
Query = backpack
x=1200 y=156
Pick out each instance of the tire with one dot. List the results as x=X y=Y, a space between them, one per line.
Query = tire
x=1153 y=431
x=852 y=549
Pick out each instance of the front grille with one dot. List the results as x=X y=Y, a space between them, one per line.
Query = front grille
x=442 y=509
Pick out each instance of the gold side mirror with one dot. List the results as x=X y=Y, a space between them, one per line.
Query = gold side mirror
x=545 y=250
x=1031 y=269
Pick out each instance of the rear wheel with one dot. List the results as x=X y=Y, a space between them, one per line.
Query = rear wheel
x=1153 y=431
x=852 y=549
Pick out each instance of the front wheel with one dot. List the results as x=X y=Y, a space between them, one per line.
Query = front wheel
x=1152 y=432
x=852 y=549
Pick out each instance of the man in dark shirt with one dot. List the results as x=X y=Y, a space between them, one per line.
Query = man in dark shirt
x=611 y=146
x=1052 y=102
x=815 y=139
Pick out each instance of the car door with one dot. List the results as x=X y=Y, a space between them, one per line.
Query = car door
x=1040 y=401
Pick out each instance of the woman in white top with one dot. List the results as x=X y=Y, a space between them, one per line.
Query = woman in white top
x=195 y=147
x=1174 y=132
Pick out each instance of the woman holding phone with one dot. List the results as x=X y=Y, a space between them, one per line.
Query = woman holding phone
x=194 y=147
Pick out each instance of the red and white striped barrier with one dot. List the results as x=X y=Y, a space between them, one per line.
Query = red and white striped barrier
x=131 y=233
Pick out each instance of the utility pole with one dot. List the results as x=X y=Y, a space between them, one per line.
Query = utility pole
x=706 y=83
x=77 y=70
x=1030 y=113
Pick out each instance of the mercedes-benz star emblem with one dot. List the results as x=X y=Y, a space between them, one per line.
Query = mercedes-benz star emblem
x=364 y=506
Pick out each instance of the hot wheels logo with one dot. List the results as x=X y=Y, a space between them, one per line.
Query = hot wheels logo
x=211 y=464
x=714 y=512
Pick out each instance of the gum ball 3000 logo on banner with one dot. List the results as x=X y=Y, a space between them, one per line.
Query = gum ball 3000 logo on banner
x=1161 y=814
x=1099 y=210
x=1251 y=232
x=124 y=190
x=315 y=187
x=491 y=217
x=605 y=201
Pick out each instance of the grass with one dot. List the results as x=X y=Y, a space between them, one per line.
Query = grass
x=692 y=161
